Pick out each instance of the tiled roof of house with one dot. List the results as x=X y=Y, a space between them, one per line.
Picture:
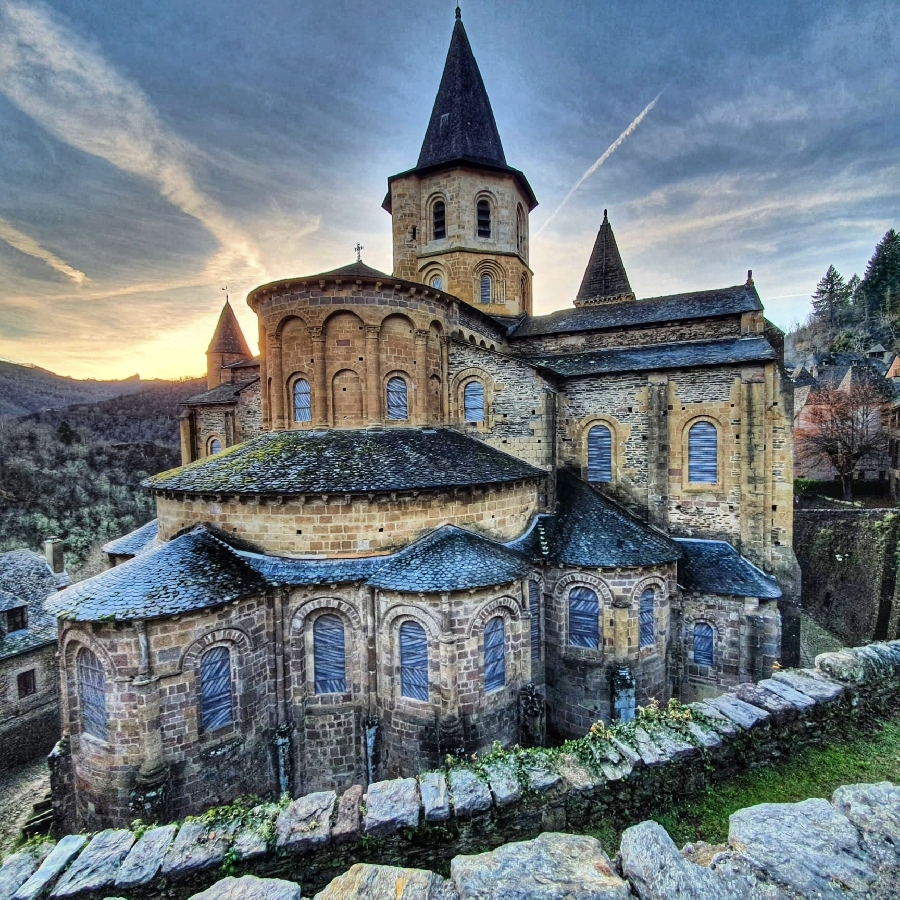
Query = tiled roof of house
x=728 y=301
x=605 y=277
x=592 y=531
x=650 y=357
x=223 y=394
x=28 y=577
x=346 y=461
x=228 y=337
x=135 y=542
x=450 y=559
x=281 y=570
x=10 y=601
x=715 y=567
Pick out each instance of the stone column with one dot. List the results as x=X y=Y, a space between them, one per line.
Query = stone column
x=186 y=432
x=320 y=388
x=658 y=450
x=373 y=376
x=753 y=477
x=445 y=381
x=421 y=417
x=277 y=395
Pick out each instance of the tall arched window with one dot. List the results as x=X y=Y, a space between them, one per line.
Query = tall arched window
x=487 y=289
x=302 y=401
x=584 y=618
x=520 y=230
x=92 y=694
x=484 y=219
x=703 y=644
x=648 y=618
x=397 y=406
x=439 y=221
x=534 y=607
x=523 y=285
x=215 y=446
x=600 y=454
x=703 y=453
x=494 y=655
x=413 y=661
x=329 y=657
x=215 y=689
x=473 y=401
x=437 y=282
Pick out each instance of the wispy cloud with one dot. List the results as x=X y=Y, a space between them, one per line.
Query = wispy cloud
x=25 y=244
x=606 y=155
x=66 y=85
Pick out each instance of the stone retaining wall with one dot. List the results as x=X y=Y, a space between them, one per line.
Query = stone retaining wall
x=610 y=776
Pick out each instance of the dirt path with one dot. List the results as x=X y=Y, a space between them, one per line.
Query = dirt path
x=20 y=787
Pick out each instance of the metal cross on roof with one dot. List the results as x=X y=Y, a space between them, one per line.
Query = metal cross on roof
x=359 y=249
x=226 y=292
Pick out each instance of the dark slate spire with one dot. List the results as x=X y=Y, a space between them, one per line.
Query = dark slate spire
x=462 y=125
x=228 y=337
x=604 y=279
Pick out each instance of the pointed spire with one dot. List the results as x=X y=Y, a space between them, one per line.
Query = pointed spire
x=462 y=122
x=605 y=280
x=228 y=337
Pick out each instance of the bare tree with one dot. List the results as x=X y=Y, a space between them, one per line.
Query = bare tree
x=843 y=428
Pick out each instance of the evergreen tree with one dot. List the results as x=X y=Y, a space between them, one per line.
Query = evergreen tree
x=879 y=289
x=831 y=299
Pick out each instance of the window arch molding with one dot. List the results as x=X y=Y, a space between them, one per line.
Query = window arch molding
x=432 y=271
x=292 y=381
x=215 y=443
x=496 y=273
x=457 y=395
x=394 y=620
x=493 y=608
x=618 y=435
x=73 y=643
x=232 y=637
x=717 y=625
x=657 y=583
x=697 y=628
x=563 y=588
x=717 y=485
x=493 y=205
x=282 y=322
x=410 y=394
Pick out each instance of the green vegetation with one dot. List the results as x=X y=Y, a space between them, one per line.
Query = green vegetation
x=814 y=772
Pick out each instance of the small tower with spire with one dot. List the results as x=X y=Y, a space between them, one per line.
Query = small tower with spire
x=460 y=217
x=226 y=347
x=605 y=279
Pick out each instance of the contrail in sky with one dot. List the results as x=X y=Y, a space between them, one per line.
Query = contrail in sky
x=609 y=152
x=29 y=245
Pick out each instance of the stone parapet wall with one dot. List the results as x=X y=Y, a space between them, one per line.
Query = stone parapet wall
x=512 y=795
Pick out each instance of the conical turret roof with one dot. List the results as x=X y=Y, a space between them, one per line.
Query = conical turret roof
x=605 y=280
x=228 y=337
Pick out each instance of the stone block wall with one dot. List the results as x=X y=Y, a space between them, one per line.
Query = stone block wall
x=29 y=725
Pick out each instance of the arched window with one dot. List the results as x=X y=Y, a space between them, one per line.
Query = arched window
x=648 y=618
x=520 y=230
x=534 y=607
x=302 y=401
x=437 y=282
x=413 y=661
x=92 y=694
x=494 y=655
x=473 y=401
x=439 y=220
x=397 y=407
x=328 y=655
x=484 y=219
x=599 y=454
x=703 y=644
x=703 y=453
x=584 y=618
x=487 y=289
x=524 y=290
x=215 y=688
x=215 y=446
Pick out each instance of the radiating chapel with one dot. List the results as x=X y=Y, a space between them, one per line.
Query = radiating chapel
x=424 y=519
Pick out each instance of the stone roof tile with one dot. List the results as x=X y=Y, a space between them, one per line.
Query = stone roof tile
x=228 y=337
x=715 y=567
x=604 y=278
x=135 y=542
x=223 y=394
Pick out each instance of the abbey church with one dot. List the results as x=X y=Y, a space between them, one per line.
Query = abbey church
x=424 y=519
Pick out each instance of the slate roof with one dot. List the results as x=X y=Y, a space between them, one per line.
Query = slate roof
x=193 y=571
x=715 y=567
x=221 y=395
x=27 y=577
x=10 y=601
x=283 y=571
x=135 y=542
x=450 y=559
x=728 y=301
x=346 y=461
x=605 y=277
x=228 y=337
x=651 y=357
x=592 y=531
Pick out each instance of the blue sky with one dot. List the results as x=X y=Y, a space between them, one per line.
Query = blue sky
x=151 y=152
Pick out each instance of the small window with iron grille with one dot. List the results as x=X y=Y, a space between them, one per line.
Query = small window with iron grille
x=484 y=219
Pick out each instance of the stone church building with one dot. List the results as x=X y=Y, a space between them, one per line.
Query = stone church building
x=425 y=519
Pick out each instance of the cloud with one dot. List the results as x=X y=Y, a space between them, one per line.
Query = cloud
x=66 y=86
x=25 y=244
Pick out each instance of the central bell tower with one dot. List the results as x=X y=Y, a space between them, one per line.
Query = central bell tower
x=460 y=217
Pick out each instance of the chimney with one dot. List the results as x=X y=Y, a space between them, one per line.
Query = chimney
x=53 y=551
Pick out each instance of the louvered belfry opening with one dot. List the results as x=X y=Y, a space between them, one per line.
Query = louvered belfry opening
x=439 y=221
x=484 y=219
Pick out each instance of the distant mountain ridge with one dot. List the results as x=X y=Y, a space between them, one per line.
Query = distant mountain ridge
x=25 y=389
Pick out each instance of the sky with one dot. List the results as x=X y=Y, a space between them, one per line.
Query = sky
x=153 y=152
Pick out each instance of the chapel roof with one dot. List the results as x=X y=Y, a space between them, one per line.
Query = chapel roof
x=709 y=304
x=221 y=394
x=228 y=337
x=135 y=542
x=345 y=461
x=715 y=567
x=605 y=279
x=655 y=357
